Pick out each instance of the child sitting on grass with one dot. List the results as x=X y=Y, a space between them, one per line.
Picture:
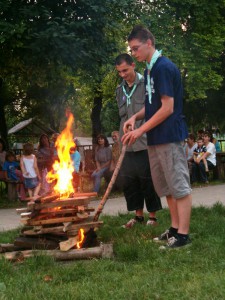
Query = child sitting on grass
x=199 y=152
x=32 y=178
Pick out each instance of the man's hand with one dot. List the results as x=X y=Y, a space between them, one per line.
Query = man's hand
x=130 y=137
x=129 y=124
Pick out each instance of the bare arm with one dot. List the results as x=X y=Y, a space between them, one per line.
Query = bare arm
x=163 y=113
x=24 y=172
x=36 y=168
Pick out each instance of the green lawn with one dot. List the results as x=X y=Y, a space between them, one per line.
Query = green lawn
x=138 y=271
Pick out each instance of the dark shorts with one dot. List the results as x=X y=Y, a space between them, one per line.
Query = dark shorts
x=31 y=183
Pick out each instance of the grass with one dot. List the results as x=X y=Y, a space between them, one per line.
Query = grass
x=139 y=269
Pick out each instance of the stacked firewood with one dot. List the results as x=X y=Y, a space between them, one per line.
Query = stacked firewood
x=52 y=223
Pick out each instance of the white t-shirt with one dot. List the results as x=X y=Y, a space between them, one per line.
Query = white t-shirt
x=29 y=166
x=212 y=150
x=190 y=151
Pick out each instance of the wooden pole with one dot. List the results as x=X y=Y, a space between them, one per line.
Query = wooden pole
x=111 y=183
x=103 y=251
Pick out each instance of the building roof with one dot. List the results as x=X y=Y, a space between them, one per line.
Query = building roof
x=30 y=128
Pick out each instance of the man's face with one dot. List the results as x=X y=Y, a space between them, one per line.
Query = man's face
x=126 y=71
x=115 y=137
x=139 y=50
x=206 y=138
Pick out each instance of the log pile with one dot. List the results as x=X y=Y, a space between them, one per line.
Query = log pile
x=51 y=223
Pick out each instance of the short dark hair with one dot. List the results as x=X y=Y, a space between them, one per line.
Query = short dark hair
x=199 y=139
x=191 y=136
x=124 y=57
x=9 y=154
x=142 y=34
x=208 y=134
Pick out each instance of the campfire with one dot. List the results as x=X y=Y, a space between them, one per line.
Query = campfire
x=61 y=220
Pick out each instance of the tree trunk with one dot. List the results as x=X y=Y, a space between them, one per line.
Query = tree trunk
x=95 y=116
x=3 y=126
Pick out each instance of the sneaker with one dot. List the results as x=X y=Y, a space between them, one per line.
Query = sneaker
x=152 y=222
x=164 y=237
x=131 y=223
x=175 y=243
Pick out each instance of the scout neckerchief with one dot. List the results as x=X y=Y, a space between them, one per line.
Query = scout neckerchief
x=149 y=67
x=128 y=96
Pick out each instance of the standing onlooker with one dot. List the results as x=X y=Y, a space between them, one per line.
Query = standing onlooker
x=75 y=157
x=199 y=169
x=80 y=149
x=45 y=156
x=2 y=153
x=52 y=144
x=12 y=173
x=103 y=156
x=166 y=130
x=29 y=168
x=135 y=171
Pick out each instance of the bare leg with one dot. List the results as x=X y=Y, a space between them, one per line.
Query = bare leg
x=173 y=211
x=30 y=192
x=205 y=164
x=139 y=212
x=184 y=213
x=37 y=189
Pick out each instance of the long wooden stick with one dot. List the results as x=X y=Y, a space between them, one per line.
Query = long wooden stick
x=102 y=251
x=111 y=183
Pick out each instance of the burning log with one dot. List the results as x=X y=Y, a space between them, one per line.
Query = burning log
x=47 y=198
x=61 y=203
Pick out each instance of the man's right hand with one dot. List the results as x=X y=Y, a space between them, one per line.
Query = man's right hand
x=129 y=124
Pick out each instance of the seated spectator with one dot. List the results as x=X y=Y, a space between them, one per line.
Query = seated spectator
x=75 y=157
x=191 y=145
x=12 y=173
x=199 y=170
x=217 y=144
x=2 y=153
x=103 y=157
x=199 y=151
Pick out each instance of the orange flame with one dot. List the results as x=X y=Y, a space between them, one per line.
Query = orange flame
x=81 y=238
x=63 y=169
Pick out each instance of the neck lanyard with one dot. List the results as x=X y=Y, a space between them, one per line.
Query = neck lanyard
x=149 y=67
x=128 y=96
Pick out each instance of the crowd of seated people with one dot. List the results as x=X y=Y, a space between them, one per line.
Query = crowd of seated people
x=201 y=156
